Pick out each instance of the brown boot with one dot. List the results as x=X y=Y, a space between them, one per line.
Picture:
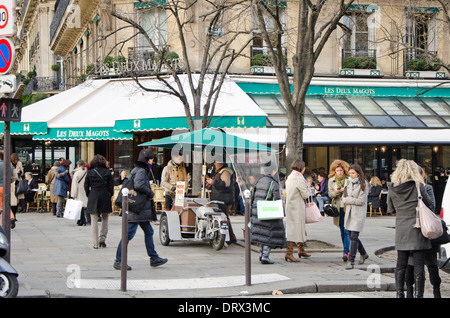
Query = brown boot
x=290 y=253
x=301 y=250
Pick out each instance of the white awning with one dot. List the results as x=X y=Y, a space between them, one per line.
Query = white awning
x=347 y=136
x=104 y=103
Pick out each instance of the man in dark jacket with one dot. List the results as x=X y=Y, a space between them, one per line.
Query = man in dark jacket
x=141 y=182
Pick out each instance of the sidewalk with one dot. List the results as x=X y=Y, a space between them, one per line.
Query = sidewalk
x=55 y=258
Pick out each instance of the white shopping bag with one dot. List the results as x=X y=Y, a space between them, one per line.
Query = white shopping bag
x=72 y=210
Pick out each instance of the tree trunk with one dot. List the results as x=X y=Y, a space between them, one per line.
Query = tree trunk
x=294 y=139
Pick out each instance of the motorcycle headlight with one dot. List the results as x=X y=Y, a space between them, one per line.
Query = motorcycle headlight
x=3 y=240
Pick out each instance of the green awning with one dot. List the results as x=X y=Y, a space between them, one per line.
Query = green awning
x=335 y=90
x=173 y=123
x=25 y=128
x=98 y=133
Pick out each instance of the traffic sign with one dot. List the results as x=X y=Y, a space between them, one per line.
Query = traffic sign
x=7 y=13
x=10 y=109
x=7 y=52
x=8 y=83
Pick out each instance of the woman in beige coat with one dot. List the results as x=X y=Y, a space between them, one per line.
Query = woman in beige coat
x=77 y=189
x=296 y=192
x=50 y=181
x=355 y=200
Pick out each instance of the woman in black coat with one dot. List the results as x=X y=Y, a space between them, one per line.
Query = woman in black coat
x=142 y=216
x=267 y=233
x=99 y=187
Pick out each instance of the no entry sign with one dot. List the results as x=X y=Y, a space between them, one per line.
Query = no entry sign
x=7 y=8
x=6 y=55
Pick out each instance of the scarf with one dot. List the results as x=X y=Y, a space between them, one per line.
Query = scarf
x=340 y=181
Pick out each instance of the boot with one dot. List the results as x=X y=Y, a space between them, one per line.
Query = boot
x=301 y=250
x=290 y=253
x=435 y=280
x=400 y=282
x=419 y=285
x=265 y=255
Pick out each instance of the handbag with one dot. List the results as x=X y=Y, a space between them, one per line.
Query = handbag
x=312 y=212
x=23 y=187
x=72 y=210
x=330 y=210
x=269 y=210
x=430 y=224
x=136 y=200
x=444 y=238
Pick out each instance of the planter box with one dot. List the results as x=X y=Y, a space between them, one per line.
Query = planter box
x=359 y=72
x=426 y=74
x=266 y=70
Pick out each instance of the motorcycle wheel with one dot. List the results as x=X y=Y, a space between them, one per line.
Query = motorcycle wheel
x=218 y=241
x=9 y=285
x=164 y=231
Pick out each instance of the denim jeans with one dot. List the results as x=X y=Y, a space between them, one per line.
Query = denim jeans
x=320 y=202
x=148 y=232
x=344 y=232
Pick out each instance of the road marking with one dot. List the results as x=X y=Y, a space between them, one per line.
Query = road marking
x=173 y=284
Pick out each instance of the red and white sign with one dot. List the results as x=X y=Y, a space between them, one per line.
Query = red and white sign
x=7 y=52
x=7 y=14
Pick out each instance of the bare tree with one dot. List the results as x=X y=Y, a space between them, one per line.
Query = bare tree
x=316 y=21
x=223 y=41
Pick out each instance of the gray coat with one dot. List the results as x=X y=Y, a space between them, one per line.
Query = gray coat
x=402 y=199
x=355 y=206
x=266 y=232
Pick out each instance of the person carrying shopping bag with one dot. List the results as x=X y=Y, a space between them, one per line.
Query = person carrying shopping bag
x=296 y=193
x=268 y=234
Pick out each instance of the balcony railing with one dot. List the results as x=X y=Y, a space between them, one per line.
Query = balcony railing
x=45 y=84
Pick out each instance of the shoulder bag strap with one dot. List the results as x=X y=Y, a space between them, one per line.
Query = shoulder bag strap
x=268 y=191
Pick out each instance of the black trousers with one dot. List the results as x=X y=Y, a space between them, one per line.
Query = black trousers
x=355 y=246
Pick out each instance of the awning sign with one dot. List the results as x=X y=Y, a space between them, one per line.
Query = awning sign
x=94 y=133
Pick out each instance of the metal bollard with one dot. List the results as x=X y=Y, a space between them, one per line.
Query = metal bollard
x=124 y=250
x=248 y=274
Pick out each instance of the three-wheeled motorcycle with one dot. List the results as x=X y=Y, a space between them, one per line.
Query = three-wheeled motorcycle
x=198 y=220
x=9 y=285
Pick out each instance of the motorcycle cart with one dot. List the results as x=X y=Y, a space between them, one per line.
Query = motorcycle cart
x=196 y=220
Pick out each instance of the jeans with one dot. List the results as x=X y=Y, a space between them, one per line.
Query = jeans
x=148 y=232
x=355 y=245
x=320 y=202
x=344 y=232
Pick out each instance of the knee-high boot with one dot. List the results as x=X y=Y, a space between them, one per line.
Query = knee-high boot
x=435 y=280
x=419 y=284
x=400 y=282
x=290 y=252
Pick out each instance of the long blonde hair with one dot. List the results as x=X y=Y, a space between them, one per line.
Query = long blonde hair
x=406 y=170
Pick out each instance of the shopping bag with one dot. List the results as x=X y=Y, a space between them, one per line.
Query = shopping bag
x=312 y=212
x=430 y=223
x=270 y=210
x=72 y=211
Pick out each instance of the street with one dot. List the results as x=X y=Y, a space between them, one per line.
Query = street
x=55 y=258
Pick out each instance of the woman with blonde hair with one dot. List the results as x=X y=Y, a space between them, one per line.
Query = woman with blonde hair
x=403 y=199
x=338 y=180
x=374 y=192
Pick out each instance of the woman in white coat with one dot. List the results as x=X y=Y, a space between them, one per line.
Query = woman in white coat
x=296 y=193
x=77 y=189
x=355 y=200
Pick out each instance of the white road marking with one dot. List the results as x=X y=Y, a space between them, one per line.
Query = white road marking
x=173 y=284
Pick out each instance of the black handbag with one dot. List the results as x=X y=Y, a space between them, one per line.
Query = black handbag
x=330 y=210
x=444 y=238
x=136 y=200
x=23 y=187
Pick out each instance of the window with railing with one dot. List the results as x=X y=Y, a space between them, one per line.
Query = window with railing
x=421 y=34
x=359 y=38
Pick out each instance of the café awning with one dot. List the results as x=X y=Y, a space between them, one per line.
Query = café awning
x=114 y=108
